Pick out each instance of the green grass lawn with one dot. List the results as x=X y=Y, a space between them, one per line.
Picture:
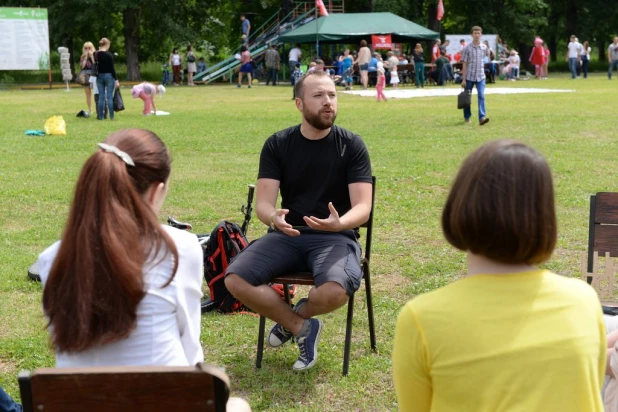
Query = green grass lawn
x=216 y=133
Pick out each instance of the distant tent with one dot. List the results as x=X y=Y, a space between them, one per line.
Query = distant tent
x=354 y=27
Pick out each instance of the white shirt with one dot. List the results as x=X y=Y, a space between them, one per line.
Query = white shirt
x=575 y=49
x=294 y=55
x=167 y=332
x=175 y=59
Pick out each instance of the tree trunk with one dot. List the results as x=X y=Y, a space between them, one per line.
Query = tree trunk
x=601 y=47
x=131 y=21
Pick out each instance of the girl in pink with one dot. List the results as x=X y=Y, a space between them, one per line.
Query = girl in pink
x=147 y=92
x=546 y=64
x=537 y=57
x=381 y=84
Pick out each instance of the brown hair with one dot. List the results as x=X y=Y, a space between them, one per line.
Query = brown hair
x=299 y=87
x=95 y=283
x=501 y=205
x=476 y=28
x=104 y=42
x=363 y=43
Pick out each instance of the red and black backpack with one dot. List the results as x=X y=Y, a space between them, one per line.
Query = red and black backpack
x=226 y=241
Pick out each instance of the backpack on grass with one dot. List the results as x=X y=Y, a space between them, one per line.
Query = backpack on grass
x=226 y=241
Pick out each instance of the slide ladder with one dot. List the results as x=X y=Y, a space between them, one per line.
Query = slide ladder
x=259 y=41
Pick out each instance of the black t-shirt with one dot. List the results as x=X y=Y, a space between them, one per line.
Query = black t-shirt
x=106 y=62
x=314 y=172
x=418 y=57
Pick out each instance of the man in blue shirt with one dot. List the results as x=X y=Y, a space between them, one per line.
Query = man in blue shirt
x=246 y=28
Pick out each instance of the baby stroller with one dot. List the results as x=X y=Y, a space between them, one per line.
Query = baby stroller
x=346 y=79
x=166 y=75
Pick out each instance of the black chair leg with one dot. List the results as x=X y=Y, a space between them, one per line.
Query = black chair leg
x=260 y=348
x=372 y=331
x=348 y=336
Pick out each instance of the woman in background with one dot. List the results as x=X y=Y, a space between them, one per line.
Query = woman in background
x=86 y=62
x=175 y=61
x=585 y=55
x=191 y=65
x=508 y=335
x=106 y=79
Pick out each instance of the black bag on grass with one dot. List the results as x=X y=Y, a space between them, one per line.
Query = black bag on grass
x=118 y=103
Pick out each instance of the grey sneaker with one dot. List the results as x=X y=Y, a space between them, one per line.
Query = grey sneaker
x=278 y=335
x=308 y=346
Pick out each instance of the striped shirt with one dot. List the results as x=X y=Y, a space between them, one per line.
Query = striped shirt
x=473 y=56
x=272 y=59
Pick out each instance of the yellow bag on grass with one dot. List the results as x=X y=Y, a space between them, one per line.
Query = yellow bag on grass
x=55 y=125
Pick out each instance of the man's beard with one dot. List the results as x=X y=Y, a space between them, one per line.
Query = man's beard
x=317 y=121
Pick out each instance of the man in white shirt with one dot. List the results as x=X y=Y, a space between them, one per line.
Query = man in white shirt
x=294 y=58
x=574 y=55
x=612 y=56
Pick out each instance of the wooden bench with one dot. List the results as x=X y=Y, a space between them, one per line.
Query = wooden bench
x=127 y=389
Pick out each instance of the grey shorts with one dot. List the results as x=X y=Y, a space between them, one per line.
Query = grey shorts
x=331 y=257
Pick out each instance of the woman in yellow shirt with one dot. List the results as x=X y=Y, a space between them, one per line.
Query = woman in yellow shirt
x=508 y=336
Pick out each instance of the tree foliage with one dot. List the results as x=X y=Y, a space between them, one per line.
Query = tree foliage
x=147 y=30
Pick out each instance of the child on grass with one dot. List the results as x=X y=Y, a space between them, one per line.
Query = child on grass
x=147 y=92
x=381 y=84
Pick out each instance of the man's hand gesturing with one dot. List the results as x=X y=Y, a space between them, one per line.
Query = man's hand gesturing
x=278 y=221
x=331 y=224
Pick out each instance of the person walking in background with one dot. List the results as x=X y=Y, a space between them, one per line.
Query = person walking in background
x=473 y=73
x=176 y=62
x=191 y=66
x=574 y=49
x=364 y=56
x=612 y=56
x=246 y=66
x=147 y=92
x=380 y=85
x=294 y=58
x=585 y=57
x=86 y=63
x=107 y=80
x=508 y=336
x=245 y=28
x=272 y=60
x=419 y=66
x=537 y=57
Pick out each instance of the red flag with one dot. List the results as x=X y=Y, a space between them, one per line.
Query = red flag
x=440 y=10
x=382 y=41
x=320 y=5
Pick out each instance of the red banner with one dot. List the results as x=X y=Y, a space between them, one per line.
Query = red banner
x=440 y=13
x=382 y=41
x=320 y=5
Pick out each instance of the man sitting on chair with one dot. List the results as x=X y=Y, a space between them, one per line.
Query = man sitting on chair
x=324 y=175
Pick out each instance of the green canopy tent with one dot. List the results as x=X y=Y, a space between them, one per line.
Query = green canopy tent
x=354 y=27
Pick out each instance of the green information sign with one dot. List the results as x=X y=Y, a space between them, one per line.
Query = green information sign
x=25 y=39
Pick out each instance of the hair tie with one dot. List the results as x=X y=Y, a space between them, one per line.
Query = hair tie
x=113 y=149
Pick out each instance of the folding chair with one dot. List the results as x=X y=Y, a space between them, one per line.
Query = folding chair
x=603 y=226
x=127 y=389
x=306 y=278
